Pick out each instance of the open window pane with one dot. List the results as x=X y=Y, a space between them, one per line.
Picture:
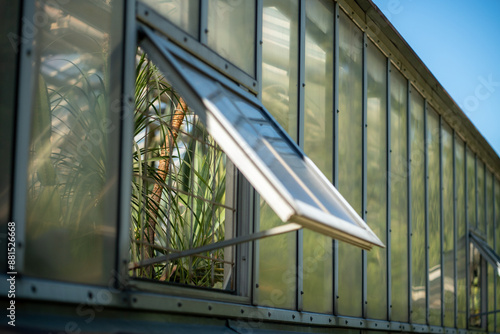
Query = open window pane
x=182 y=191
x=289 y=182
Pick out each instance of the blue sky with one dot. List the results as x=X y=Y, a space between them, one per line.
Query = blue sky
x=459 y=41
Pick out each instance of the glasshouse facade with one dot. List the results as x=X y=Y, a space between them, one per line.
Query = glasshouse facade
x=237 y=166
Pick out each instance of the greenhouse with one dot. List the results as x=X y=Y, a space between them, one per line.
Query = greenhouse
x=237 y=166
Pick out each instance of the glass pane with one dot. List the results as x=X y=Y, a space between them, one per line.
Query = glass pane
x=280 y=62
x=231 y=31
x=9 y=22
x=183 y=189
x=70 y=221
x=475 y=287
x=434 y=227
x=277 y=264
x=489 y=210
x=318 y=145
x=471 y=189
x=461 y=233
x=279 y=96
x=350 y=157
x=481 y=214
x=417 y=132
x=399 y=196
x=183 y=13
x=376 y=206
x=491 y=298
x=448 y=226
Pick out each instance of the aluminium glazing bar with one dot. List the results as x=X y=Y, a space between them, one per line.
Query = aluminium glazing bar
x=426 y=173
x=364 y=170
x=23 y=130
x=335 y=243
x=127 y=132
x=409 y=207
x=455 y=231
x=388 y=229
x=300 y=141
x=441 y=216
x=203 y=22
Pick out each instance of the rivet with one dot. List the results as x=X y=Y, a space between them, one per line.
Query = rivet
x=179 y=304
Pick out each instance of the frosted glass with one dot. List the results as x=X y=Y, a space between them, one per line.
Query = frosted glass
x=448 y=225
x=350 y=158
x=279 y=96
x=231 y=31
x=434 y=227
x=489 y=210
x=318 y=145
x=461 y=233
x=183 y=13
x=277 y=264
x=399 y=197
x=72 y=193
x=491 y=297
x=417 y=132
x=376 y=206
x=280 y=62
x=481 y=214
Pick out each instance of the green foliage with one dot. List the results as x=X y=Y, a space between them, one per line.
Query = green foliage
x=189 y=213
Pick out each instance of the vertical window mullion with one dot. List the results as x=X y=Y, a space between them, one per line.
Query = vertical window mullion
x=388 y=230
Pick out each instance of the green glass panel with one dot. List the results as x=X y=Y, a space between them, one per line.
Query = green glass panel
x=183 y=13
x=448 y=227
x=279 y=96
x=376 y=155
x=318 y=145
x=461 y=263
x=476 y=287
x=70 y=220
x=434 y=223
x=399 y=196
x=481 y=205
x=471 y=189
x=231 y=31
x=280 y=62
x=277 y=264
x=417 y=132
x=490 y=231
x=350 y=158
x=491 y=298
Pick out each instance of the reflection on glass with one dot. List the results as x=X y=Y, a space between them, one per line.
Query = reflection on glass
x=183 y=13
x=279 y=96
x=376 y=155
x=350 y=157
x=399 y=196
x=231 y=31
x=448 y=223
x=490 y=232
x=70 y=229
x=277 y=264
x=280 y=62
x=417 y=132
x=491 y=302
x=481 y=217
x=471 y=189
x=318 y=145
x=475 y=287
x=434 y=222
x=461 y=233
